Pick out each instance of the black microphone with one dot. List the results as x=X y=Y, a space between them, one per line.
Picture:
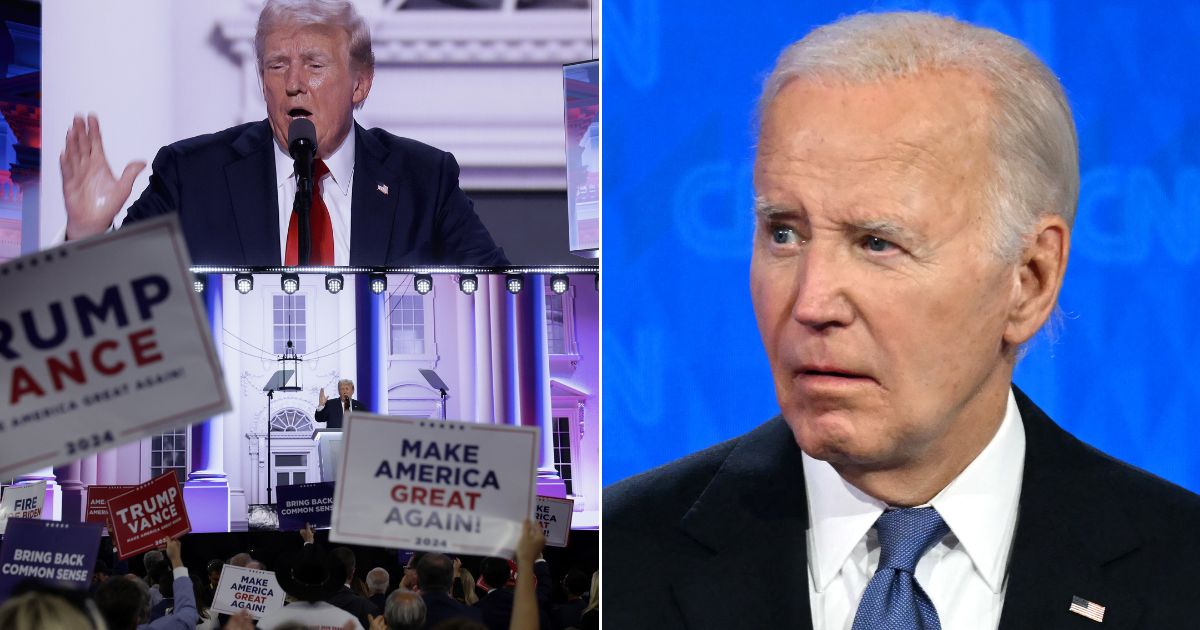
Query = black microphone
x=302 y=144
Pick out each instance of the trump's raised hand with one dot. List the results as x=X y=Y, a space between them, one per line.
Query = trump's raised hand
x=93 y=195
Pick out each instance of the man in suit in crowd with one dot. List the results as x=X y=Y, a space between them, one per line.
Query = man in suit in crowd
x=378 y=581
x=435 y=576
x=333 y=414
x=497 y=605
x=377 y=199
x=345 y=598
x=916 y=181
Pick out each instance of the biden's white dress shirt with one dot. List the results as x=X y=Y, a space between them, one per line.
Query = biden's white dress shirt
x=336 y=190
x=964 y=574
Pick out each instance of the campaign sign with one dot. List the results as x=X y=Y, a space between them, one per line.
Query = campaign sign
x=256 y=592
x=59 y=553
x=554 y=515
x=453 y=487
x=107 y=343
x=302 y=503
x=148 y=515
x=97 y=502
x=23 y=501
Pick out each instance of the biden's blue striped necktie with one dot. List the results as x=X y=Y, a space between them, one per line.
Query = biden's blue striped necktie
x=893 y=599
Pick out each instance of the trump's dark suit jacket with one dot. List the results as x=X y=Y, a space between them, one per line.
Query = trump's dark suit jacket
x=407 y=207
x=717 y=539
x=331 y=413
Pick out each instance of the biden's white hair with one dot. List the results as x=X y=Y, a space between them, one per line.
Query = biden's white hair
x=1032 y=135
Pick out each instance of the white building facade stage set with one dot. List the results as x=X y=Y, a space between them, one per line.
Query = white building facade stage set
x=527 y=359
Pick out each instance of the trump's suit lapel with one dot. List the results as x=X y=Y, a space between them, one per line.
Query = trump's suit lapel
x=1065 y=535
x=252 y=188
x=374 y=219
x=752 y=518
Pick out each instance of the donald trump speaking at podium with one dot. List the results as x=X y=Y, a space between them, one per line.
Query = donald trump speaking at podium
x=333 y=413
x=376 y=199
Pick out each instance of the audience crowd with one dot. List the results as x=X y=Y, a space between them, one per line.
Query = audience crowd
x=325 y=590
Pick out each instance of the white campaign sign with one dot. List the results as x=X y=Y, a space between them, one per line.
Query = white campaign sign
x=454 y=487
x=256 y=592
x=108 y=343
x=554 y=515
x=23 y=501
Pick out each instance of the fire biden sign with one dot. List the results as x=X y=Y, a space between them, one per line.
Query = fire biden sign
x=428 y=484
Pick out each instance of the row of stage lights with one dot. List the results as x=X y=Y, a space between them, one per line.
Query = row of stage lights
x=468 y=283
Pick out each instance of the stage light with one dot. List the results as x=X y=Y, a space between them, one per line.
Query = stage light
x=468 y=283
x=290 y=283
x=244 y=283
x=198 y=283
x=423 y=283
x=334 y=282
x=559 y=283
x=377 y=282
x=514 y=282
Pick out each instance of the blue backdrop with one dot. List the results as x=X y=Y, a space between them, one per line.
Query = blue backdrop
x=683 y=364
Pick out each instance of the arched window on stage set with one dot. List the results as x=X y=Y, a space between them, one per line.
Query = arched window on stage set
x=291 y=419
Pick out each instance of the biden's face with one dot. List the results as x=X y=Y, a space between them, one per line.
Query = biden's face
x=881 y=307
x=307 y=73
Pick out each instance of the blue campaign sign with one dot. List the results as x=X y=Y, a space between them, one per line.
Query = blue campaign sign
x=63 y=554
x=304 y=503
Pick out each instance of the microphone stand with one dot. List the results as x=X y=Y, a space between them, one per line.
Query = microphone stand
x=302 y=206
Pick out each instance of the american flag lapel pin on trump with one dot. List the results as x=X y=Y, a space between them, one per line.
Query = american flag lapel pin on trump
x=382 y=188
x=1091 y=610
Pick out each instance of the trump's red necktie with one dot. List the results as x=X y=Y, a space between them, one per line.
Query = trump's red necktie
x=320 y=226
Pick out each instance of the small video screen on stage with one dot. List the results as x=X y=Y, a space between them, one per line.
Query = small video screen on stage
x=394 y=419
x=581 y=97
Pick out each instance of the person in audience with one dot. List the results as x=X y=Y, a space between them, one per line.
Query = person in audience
x=151 y=560
x=125 y=604
x=403 y=610
x=242 y=560
x=310 y=576
x=409 y=580
x=157 y=569
x=99 y=574
x=568 y=614
x=166 y=597
x=435 y=575
x=378 y=581
x=464 y=585
x=591 y=614
x=497 y=606
x=48 y=608
x=345 y=598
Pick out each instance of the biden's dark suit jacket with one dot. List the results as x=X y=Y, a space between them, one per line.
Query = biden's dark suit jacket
x=717 y=539
x=407 y=207
x=331 y=413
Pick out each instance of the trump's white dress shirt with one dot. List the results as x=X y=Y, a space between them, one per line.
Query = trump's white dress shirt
x=336 y=189
x=964 y=574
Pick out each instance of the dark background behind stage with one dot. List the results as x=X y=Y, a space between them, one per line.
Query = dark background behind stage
x=684 y=367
